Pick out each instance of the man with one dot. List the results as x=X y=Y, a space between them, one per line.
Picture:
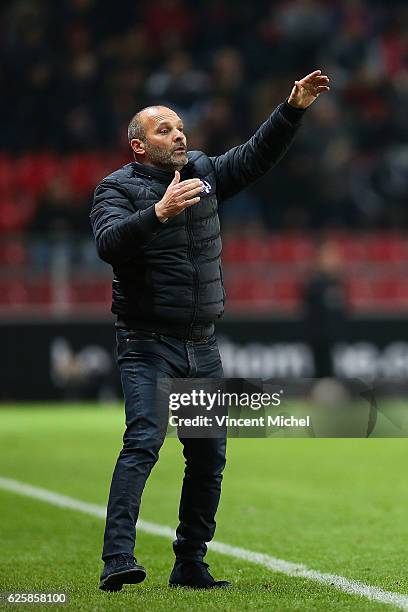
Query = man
x=155 y=221
x=325 y=308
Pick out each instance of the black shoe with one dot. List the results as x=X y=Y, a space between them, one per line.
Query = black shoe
x=194 y=574
x=120 y=570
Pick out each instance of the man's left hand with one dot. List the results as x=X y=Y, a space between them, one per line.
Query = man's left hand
x=308 y=89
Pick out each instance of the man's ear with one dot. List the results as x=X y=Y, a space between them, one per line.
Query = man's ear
x=138 y=146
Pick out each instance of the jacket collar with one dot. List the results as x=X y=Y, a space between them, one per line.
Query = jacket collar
x=164 y=176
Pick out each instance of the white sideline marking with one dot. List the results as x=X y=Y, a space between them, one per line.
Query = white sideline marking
x=297 y=570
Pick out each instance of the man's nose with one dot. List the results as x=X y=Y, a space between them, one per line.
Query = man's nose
x=179 y=135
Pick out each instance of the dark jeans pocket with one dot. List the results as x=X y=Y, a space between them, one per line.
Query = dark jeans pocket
x=131 y=342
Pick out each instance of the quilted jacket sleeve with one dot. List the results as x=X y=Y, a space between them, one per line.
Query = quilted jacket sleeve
x=119 y=231
x=242 y=165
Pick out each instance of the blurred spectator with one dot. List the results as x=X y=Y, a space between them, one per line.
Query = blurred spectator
x=178 y=84
x=58 y=213
x=58 y=224
x=325 y=313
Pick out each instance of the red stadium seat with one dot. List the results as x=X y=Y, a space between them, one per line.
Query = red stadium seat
x=85 y=171
x=352 y=248
x=13 y=293
x=39 y=292
x=290 y=249
x=90 y=292
x=245 y=250
x=15 y=214
x=34 y=172
x=12 y=253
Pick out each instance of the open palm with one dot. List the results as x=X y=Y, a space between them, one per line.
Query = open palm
x=308 y=89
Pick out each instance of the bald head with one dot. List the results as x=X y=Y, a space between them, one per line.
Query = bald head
x=156 y=135
x=136 y=124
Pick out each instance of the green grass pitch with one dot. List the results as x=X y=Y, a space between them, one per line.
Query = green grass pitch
x=338 y=506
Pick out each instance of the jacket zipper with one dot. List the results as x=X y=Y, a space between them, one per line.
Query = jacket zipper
x=189 y=218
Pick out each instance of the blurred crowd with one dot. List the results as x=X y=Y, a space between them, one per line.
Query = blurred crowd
x=73 y=73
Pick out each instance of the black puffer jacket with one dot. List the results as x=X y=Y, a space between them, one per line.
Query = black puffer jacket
x=167 y=276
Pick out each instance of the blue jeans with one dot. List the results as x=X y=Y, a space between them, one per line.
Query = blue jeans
x=143 y=357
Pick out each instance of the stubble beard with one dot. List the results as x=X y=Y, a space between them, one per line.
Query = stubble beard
x=168 y=160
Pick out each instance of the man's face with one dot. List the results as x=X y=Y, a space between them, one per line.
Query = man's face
x=165 y=144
